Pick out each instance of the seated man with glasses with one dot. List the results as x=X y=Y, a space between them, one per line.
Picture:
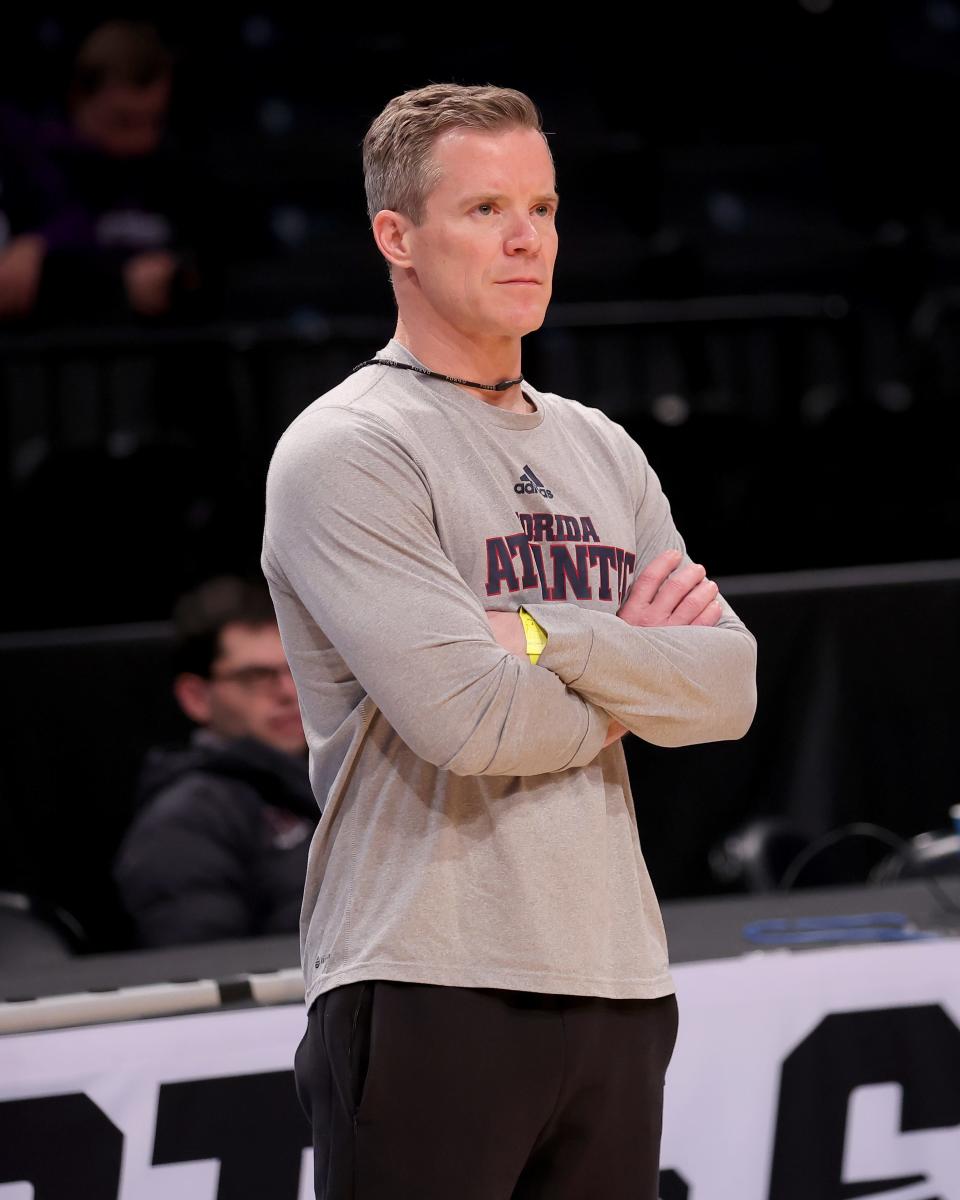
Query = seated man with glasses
x=218 y=848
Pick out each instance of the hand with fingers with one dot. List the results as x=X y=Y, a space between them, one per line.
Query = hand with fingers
x=658 y=596
x=663 y=595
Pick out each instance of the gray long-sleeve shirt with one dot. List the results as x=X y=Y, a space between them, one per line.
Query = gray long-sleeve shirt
x=474 y=833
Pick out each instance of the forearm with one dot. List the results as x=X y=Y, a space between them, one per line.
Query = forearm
x=535 y=725
x=525 y=639
x=672 y=686
x=455 y=697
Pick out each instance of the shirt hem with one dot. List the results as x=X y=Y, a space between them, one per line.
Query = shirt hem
x=525 y=981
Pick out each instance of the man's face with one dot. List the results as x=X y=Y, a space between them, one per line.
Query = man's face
x=484 y=253
x=251 y=692
x=124 y=121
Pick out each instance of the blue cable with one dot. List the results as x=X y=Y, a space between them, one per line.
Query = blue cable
x=859 y=927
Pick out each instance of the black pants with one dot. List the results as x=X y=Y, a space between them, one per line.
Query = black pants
x=448 y=1093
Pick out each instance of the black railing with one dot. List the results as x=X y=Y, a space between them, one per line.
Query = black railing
x=236 y=386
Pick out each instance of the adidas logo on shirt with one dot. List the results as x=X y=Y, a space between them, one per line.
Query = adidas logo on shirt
x=530 y=484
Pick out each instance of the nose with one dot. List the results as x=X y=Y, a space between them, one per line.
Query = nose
x=523 y=236
x=288 y=688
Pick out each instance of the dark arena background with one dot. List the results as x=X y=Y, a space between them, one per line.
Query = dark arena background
x=759 y=278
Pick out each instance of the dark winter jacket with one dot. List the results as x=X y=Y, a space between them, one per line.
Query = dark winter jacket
x=218 y=848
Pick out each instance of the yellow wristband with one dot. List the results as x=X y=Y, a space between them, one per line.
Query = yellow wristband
x=535 y=635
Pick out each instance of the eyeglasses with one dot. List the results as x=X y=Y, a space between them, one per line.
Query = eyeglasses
x=254 y=678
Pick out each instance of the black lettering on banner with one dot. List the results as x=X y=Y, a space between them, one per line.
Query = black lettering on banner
x=673 y=1186
x=916 y=1047
x=65 y=1146
x=252 y=1123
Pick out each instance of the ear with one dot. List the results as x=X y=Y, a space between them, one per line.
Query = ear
x=391 y=232
x=193 y=696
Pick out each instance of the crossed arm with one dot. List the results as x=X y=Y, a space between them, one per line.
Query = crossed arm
x=667 y=592
x=675 y=665
x=351 y=544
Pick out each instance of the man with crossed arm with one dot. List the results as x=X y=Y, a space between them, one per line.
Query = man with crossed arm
x=480 y=589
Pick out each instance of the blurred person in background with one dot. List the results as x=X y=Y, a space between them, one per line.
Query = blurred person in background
x=218 y=848
x=98 y=217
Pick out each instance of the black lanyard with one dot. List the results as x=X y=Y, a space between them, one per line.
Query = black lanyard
x=487 y=387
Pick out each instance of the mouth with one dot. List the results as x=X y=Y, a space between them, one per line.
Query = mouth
x=527 y=282
x=283 y=725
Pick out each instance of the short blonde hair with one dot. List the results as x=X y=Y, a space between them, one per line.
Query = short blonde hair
x=399 y=171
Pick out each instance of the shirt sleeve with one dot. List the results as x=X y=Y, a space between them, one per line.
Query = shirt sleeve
x=671 y=685
x=350 y=531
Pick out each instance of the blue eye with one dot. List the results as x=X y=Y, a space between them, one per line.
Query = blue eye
x=489 y=207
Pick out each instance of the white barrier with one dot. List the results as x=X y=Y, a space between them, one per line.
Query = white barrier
x=808 y=1075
